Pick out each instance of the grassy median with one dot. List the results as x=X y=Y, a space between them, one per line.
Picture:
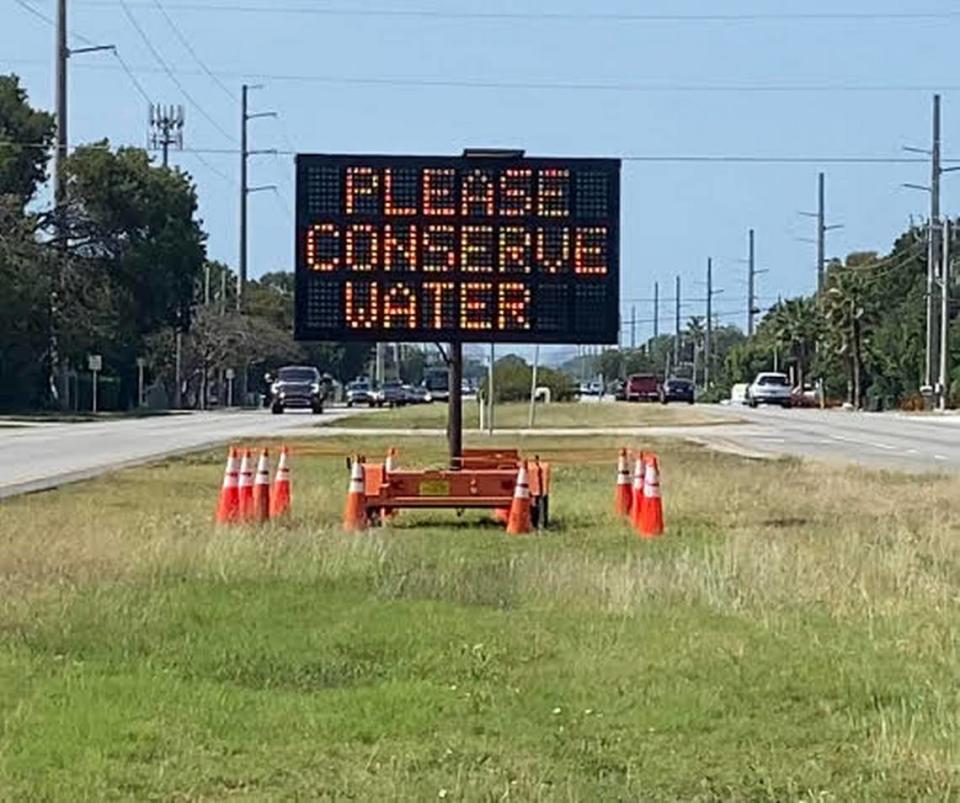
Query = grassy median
x=794 y=636
x=516 y=415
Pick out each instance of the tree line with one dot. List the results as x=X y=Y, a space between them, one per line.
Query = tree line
x=119 y=269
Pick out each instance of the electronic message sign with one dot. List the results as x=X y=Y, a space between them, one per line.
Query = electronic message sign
x=470 y=249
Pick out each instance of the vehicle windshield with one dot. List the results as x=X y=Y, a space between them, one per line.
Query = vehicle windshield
x=297 y=375
x=774 y=379
x=679 y=383
x=358 y=386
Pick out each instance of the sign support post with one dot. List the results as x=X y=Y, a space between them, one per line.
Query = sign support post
x=455 y=409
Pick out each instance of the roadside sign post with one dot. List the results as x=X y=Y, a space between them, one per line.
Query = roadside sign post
x=230 y=374
x=141 y=364
x=95 y=364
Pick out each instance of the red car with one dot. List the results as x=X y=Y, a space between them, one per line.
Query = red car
x=643 y=387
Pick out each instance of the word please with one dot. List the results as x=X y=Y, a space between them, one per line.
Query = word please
x=450 y=248
x=446 y=191
x=437 y=305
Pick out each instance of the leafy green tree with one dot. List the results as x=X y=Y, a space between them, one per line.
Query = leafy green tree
x=26 y=264
x=26 y=135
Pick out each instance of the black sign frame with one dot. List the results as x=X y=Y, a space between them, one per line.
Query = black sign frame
x=600 y=326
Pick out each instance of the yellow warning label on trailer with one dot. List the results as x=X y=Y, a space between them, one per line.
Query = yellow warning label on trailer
x=435 y=488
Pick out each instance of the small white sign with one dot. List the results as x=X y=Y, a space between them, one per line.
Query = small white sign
x=95 y=362
x=141 y=362
x=231 y=373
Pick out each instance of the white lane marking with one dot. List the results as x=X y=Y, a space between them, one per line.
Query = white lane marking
x=885 y=446
x=940 y=457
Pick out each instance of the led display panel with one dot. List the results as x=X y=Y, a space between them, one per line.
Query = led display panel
x=470 y=249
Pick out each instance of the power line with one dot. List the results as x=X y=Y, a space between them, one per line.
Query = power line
x=642 y=158
x=562 y=86
x=540 y=16
x=35 y=11
x=166 y=68
x=190 y=49
x=133 y=79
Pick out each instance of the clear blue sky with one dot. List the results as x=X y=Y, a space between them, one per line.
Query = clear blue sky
x=882 y=70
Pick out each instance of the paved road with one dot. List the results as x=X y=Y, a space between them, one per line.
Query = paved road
x=888 y=440
x=45 y=455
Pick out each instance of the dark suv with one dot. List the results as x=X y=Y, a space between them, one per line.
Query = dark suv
x=297 y=386
x=677 y=390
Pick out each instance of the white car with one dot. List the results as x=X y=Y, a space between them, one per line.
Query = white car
x=770 y=388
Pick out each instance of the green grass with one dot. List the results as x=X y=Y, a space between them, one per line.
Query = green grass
x=515 y=415
x=794 y=636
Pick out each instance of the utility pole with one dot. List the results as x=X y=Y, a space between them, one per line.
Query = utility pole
x=676 y=337
x=60 y=90
x=633 y=326
x=821 y=231
x=708 y=336
x=656 y=310
x=822 y=228
x=246 y=153
x=932 y=266
x=944 y=383
x=751 y=284
x=58 y=373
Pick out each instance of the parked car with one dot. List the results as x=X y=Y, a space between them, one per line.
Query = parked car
x=643 y=387
x=297 y=386
x=770 y=388
x=392 y=394
x=417 y=394
x=362 y=393
x=677 y=390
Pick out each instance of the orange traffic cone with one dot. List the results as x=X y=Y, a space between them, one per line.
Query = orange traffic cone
x=501 y=515
x=519 y=523
x=228 y=510
x=245 y=488
x=355 y=511
x=636 y=503
x=651 y=518
x=261 y=488
x=623 y=499
x=280 y=493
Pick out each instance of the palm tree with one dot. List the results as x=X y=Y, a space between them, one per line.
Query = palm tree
x=846 y=312
x=696 y=332
x=795 y=324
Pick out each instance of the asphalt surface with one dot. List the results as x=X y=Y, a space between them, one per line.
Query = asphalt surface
x=42 y=455
x=45 y=455
x=898 y=441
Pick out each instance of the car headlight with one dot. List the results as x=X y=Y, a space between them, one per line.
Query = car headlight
x=275 y=387
x=315 y=387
